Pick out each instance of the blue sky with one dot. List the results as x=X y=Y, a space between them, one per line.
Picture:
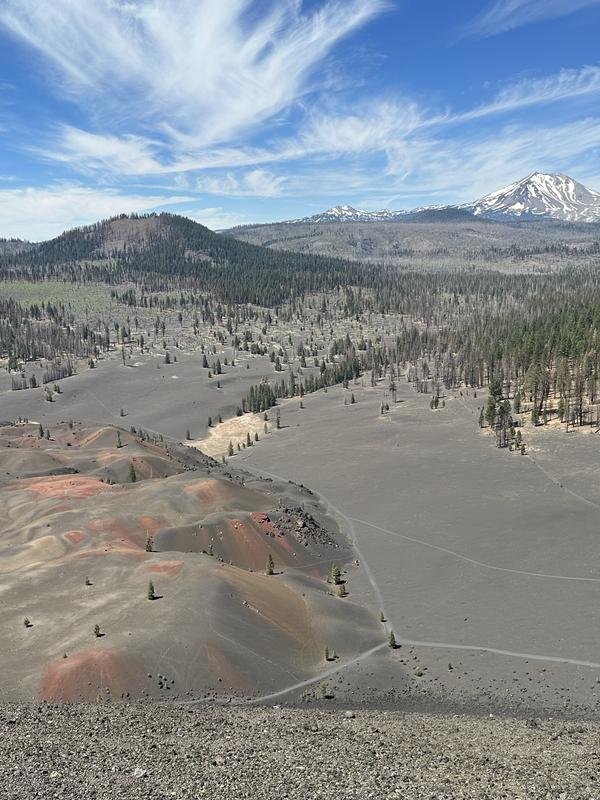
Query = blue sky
x=239 y=111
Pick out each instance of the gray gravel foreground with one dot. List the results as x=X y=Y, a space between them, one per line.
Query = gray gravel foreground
x=149 y=751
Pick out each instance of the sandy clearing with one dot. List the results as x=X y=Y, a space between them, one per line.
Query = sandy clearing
x=234 y=430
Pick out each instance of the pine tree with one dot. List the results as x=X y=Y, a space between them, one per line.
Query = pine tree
x=270 y=568
x=132 y=474
x=151 y=594
x=392 y=640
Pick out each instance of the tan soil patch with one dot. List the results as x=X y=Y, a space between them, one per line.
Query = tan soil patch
x=42 y=550
x=234 y=430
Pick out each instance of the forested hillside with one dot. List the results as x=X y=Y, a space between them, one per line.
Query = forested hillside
x=533 y=333
x=159 y=251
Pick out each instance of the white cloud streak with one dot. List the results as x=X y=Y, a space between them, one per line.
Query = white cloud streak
x=505 y=15
x=38 y=213
x=469 y=166
x=218 y=218
x=202 y=71
x=179 y=88
x=567 y=84
x=254 y=183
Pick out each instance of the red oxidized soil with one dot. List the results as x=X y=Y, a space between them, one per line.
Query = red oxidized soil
x=265 y=523
x=116 y=531
x=82 y=675
x=208 y=490
x=75 y=537
x=72 y=486
x=168 y=568
x=150 y=524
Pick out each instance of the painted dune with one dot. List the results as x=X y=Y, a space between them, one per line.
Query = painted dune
x=94 y=515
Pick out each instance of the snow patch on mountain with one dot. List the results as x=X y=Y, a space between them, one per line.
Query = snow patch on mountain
x=541 y=195
x=350 y=214
x=538 y=196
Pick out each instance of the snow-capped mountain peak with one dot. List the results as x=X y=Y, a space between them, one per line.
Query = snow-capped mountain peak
x=541 y=195
x=348 y=213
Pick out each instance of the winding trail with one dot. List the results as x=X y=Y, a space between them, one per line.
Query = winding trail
x=348 y=524
x=483 y=648
x=316 y=678
x=474 y=561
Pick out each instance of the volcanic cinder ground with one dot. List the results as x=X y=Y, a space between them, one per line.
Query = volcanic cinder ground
x=485 y=563
x=81 y=542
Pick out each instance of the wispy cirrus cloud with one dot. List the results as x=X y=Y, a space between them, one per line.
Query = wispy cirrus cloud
x=469 y=165
x=199 y=71
x=246 y=100
x=218 y=218
x=128 y=154
x=253 y=183
x=42 y=212
x=567 y=84
x=505 y=15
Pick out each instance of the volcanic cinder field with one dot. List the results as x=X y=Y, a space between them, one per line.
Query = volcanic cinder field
x=485 y=562
x=482 y=562
x=83 y=538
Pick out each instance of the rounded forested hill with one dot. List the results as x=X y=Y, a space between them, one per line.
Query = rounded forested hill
x=124 y=248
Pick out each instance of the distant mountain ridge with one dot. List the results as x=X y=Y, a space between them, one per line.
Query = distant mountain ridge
x=537 y=196
x=350 y=214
